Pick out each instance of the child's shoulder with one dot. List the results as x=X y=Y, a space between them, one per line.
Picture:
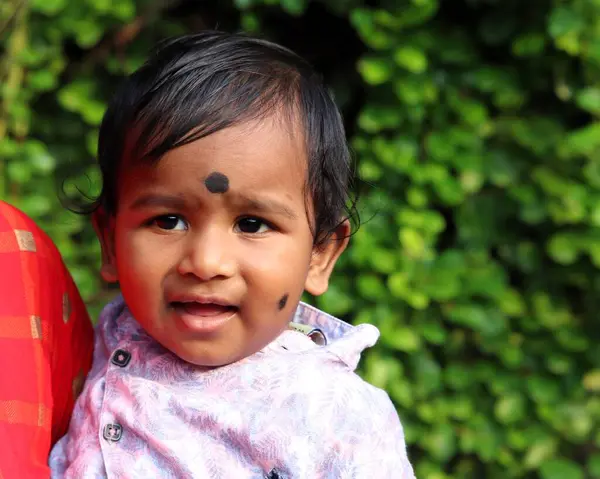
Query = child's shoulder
x=324 y=375
x=335 y=392
x=316 y=393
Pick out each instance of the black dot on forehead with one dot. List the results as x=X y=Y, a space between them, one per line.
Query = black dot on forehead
x=283 y=301
x=216 y=182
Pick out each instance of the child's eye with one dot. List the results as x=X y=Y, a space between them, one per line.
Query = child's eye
x=170 y=222
x=252 y=226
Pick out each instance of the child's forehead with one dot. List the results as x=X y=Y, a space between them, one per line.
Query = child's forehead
x=257 y=145
x=259 y=155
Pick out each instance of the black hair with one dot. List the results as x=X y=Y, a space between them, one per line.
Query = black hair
x=195 y=85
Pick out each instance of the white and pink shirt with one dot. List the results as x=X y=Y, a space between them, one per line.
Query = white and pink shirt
x=293 y=410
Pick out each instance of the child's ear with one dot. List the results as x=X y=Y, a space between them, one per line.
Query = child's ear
x=324 y=258
x=104 y=225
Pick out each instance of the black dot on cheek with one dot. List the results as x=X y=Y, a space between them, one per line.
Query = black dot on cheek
x=217 y=182
x=283 y=301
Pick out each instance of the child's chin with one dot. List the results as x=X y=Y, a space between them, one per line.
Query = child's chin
x=205 y=360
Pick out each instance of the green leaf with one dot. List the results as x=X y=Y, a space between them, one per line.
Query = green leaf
x=563 y=249
x=293 y=7
x=589 y=99
x=441 y=442
x=543 y=390
x=381 y=371
x=583 y=141
x=36 y=205
x=433 y=332
x=369 y=171
x=124 y=10
x=42 y=80
x=49 y=7
x=458 y=376
x=102 y=6
x=529 y=45
x=375 y=71
x=88 y=34
x=413 y=59
x=561 y=469
x=39 y=158
x=336 y=301
x=93 y=112
x=591 y=380
x=19 y=172
x=375 y=118
x=250 y=22
x=403 y=339
x=510 y=408
x=412 y=242
x=540 y=451
x=371 y=287
x=593 y=465
x=564 y=20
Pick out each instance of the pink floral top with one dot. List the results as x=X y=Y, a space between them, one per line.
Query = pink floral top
x=293 y=410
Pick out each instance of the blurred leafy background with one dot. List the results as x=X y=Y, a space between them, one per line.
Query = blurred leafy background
x=476 y=126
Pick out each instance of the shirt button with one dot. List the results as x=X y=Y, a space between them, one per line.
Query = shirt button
x=112 y=432
x=121 y=358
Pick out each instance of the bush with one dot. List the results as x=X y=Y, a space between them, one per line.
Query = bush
x=476 y=128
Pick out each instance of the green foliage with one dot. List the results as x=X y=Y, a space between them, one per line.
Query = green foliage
x=478 y=144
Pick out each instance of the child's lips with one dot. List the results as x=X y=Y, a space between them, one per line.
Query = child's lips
x=204 y=310
x=203 y=317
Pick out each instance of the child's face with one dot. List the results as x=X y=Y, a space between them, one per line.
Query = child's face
x=213 y=266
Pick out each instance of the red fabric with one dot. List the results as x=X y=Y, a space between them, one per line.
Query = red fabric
x=46 y=345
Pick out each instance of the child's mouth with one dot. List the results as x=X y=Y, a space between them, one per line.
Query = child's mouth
x=203 y=309
x=203 y=317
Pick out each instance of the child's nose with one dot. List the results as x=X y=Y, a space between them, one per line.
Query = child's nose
x=209 y=254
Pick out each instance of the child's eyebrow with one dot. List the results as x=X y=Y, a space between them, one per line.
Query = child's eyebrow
x=155 y=200
x=259 y=205
x=262 y=205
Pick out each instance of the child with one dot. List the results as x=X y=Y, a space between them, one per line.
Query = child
x=225 y=188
